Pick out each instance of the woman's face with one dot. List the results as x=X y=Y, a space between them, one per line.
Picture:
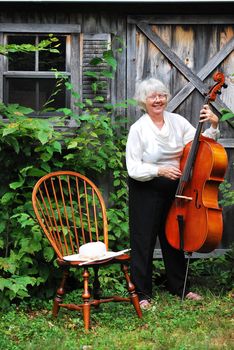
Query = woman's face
x=156 y=103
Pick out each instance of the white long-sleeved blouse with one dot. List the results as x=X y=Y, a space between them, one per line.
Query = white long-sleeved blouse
x=148 y=147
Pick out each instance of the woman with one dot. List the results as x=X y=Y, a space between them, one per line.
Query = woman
x=154 y=147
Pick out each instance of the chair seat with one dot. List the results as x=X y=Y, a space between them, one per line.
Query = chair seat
x=78 y=257
x=102 y=261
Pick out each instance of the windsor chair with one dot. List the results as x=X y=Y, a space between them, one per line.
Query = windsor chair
x=71 y=211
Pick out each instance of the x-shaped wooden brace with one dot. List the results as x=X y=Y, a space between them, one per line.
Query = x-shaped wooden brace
x=195 y=81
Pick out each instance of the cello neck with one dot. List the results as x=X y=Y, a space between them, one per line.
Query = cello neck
x=190 y=160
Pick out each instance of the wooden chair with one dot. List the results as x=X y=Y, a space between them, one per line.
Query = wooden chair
x=71 y=211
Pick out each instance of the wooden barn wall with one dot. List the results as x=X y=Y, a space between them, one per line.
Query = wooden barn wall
x=194 y=44
x=91 y=23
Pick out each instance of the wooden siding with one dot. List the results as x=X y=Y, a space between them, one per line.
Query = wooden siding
x=170 y=42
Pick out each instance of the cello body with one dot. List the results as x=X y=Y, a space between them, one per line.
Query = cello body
x=202 y=224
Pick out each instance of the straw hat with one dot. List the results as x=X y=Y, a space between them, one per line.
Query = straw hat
x=92 y=250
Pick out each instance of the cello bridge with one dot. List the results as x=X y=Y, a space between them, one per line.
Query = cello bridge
x=184 y=197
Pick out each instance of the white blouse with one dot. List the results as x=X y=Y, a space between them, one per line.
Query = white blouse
x=148 y=147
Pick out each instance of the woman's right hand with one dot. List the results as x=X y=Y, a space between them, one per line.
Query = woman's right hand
x=170 y=172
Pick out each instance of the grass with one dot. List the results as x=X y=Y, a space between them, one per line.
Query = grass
x=169 y=324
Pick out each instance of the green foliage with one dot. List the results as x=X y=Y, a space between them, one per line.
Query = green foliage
x=30 y=148
x=219 y=270
x=227 y=194
x=225 y=187
x=51 y=44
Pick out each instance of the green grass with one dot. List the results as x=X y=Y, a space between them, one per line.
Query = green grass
x=169 y=324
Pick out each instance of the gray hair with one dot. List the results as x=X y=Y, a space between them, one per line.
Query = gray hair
x=146 y=87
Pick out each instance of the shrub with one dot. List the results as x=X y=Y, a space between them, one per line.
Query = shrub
x=30 y=148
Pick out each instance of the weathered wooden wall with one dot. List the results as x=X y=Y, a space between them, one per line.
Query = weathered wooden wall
x=197 y=45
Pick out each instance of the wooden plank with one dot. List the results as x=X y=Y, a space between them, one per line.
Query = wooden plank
x=131 y=68
x=31 y=74
x=119 y=83
x=182 y=19
x=98 y=36
x=39 y=28
x=1 y=68
x=75 y=68
x=227 y=143
x=214 y=254
x=177 y=62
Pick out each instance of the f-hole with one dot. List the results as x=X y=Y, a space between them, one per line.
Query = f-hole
x=197 y=205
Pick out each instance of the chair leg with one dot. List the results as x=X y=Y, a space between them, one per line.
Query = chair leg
x=86 y=297
x=132 y=291
x=60 y=294
x=96 y=285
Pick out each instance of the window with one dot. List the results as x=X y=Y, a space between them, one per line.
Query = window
x=29 y=79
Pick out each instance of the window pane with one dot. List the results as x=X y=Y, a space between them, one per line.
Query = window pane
x=49 y=60
x=35 y=93
x=22 y=91
x=48 y=87
x=20 y=61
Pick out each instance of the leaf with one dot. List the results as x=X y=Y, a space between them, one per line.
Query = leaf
x=57 y=146
x=95 y=61
x=99 y=98
x=48 y=253
x=15 y=144
x=68 y=85
x=1 y=240
x=42 y=136
x=109 y=58
x=7 y=197
x=72 y=144
x=3 y=223
x=25 y=170
x=108 y=106
x=54 y=50
x=36 y=172
x=79 y=104
x=91 y=74
x=88 y=102
x=107 y=74
x=9 y=130
x=17 y=184
x=5 y=283
x=227 y=116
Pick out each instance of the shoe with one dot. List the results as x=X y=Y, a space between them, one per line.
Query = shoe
x=144 y=304
x=193 y=296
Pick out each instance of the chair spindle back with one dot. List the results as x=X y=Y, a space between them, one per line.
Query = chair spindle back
x=70 y=210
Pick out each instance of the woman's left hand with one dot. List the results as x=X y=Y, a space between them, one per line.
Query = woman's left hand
x=206 y=114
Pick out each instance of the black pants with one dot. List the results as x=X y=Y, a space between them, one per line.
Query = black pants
x=149 y=203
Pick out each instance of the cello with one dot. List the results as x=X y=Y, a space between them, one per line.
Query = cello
x=194 y=222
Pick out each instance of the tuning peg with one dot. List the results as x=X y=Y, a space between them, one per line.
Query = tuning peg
x=225 y=85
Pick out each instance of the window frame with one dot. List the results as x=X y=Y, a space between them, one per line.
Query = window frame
x=72 y=53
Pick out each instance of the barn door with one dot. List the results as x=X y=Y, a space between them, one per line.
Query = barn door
x=184 y=53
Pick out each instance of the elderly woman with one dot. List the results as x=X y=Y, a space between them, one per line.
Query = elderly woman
x=154 y=147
